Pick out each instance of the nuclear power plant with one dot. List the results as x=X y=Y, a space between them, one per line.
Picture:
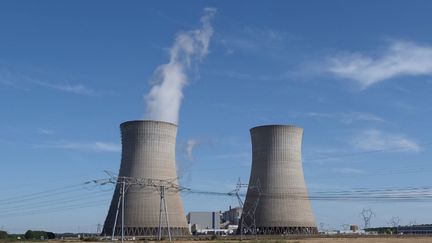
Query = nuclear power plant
x=148 y=152
x=277 y=200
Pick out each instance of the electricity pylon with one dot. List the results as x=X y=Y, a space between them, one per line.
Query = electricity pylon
x=162 y=186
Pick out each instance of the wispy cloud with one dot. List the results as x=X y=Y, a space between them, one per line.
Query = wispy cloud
x=5 y=141
x=255 y=40
x=111 y=147
x=320 y=155
x=92 y=146
x=345 y=117
x=78 y=89
x=190 y=145
x=401 y=58
x=240 y=76
x=348 y=171
x=185 y=158
x=4 y=80
x=45 y=131
x=399 y=104
x=186 y=149
x=372 y=139
x=248 y=76
x=25 y=79
x=13 y=79
x=245 y=156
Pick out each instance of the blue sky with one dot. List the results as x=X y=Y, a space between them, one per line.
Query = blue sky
x=356 y=76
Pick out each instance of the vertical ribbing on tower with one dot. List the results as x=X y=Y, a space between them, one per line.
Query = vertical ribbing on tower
x=283 y=206
x=148 y=151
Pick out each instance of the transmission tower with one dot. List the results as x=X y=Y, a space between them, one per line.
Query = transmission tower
x=162 y=186
x=236 y=192
x=322 y=227
x=163 y=209
x=367 y=214
x=394 y=221
x=345 y=226
x=98 y=230
x=248 y=220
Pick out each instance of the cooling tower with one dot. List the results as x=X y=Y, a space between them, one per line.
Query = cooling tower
x=148 y=151
x=276 y=200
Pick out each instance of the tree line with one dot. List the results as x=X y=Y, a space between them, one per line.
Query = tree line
x=29 y=235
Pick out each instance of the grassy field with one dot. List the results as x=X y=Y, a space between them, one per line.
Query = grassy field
x=358 y=239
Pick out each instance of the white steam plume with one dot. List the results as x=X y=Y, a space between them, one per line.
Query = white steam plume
x=163 y=100
x=190 y=145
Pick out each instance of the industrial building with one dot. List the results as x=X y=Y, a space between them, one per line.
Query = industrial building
x=232 y=216
x=277 y=200
x=425 y=229
x=202 y=222
x=148 y=151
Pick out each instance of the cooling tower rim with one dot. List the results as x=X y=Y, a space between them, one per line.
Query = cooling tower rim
x=126 y=123
x=276 y=126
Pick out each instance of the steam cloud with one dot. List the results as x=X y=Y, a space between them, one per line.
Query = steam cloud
x=190 y=145
x=164 y=99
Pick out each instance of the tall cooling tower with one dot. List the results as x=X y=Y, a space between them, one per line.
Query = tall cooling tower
x=277 y=197
x=148 y=151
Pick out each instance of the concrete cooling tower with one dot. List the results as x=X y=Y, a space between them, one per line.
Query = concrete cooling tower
x=148 y=151
x=277 y=200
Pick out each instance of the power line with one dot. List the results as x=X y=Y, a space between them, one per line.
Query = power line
x=54 y=209
x=385 y=195
x=49 y=202
x=46 y=193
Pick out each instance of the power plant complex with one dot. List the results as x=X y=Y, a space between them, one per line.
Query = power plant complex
x=276 y=200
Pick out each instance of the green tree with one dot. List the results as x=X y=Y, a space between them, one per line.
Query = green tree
x=37 y=235
x=3 y=234
x=51 y=235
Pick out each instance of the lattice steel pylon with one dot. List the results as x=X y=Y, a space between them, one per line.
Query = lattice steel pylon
x=367 y=214
x=163 y=210
x=248 y=220
x=236 y=191
x=162 y=186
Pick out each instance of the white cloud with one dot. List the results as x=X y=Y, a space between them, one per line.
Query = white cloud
x=25 y=79
x=371 y=140
x=348 y=171
x=185 y=159
x=239 y=155
x=93 y=146
x=346 y=117
x=401 y=58
x=190 y=145
x=243 y=76
x=256 y=40
x=70 y=88
x=111 y=147
x=45 y=131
